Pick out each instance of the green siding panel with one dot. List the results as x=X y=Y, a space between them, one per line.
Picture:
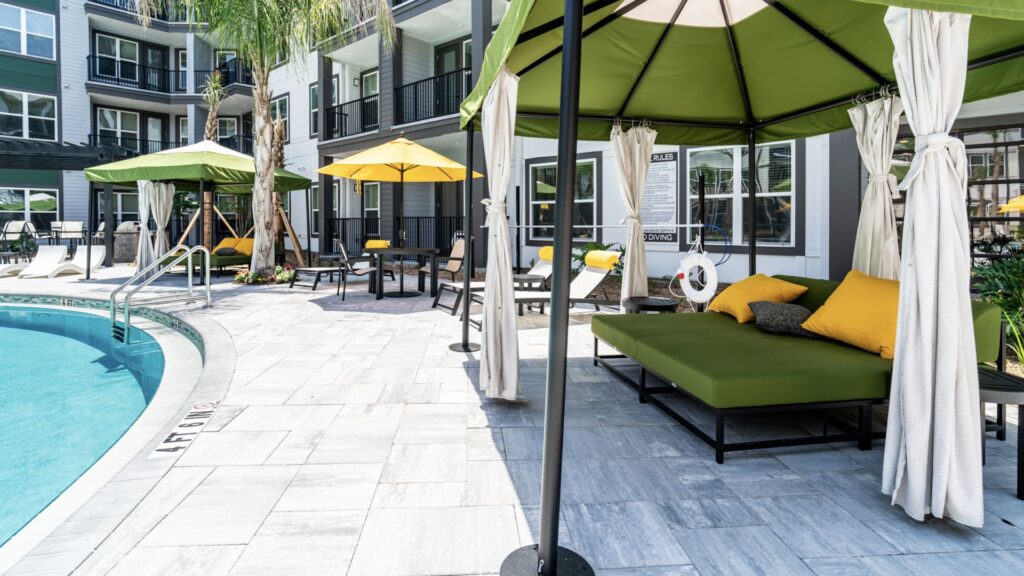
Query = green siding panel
x=29 y=178
x=37 y=5
x=28 y=74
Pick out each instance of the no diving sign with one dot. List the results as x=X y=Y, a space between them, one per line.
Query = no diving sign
x=186 y=431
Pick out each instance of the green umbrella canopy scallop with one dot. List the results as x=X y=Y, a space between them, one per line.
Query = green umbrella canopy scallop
x=707 y=71
x=224 y=169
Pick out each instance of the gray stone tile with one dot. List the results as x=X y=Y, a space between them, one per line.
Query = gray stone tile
x=820 y=458
x=295 y=448
x=528 y=522
x=996 y=563
x=639 y=479
x=231 y=448
x=581 y=442
x=761 y=484
x=302 y=543
x=1002 y=532
x=710 y=513
x=331 y=487
x=739 y=550
x=197 y=560
x=815 y=527
x=859 y=493
x=649 y=441
x=426 y=463
x=651 y=571
x=912 y=537
x=435 y=541
x=307 y=417
x=420 y=495
x=597 y=530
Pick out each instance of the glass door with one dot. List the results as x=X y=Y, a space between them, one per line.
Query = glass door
x=154 y=135
x=183 y=71
x=182 y=130
x=369 y=85
x=156 y=74
x=447 y=60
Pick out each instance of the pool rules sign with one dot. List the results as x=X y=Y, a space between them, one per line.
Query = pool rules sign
x=661 y=202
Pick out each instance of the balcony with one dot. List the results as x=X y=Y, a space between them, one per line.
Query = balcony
x=420 y=232
x=134 y=145
x=131 y=75
x=232 y=72
x=355 y=117
x=241 y=144
x=434 y=97
x=169 y=13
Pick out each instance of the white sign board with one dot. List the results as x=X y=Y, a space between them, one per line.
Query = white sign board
x=661 y=202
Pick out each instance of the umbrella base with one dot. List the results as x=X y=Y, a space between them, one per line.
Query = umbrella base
x=460 y=347
x=402 y=294
x=523 y=562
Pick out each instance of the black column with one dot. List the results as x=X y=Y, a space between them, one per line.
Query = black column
x=325 y=220
x=467 y=264
x=752 y=196
x=108 y=227
x=482 y=22
x=325 y=90
x=89 y=227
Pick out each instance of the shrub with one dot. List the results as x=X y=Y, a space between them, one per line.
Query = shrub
x=1001 y=282
x=282 y=275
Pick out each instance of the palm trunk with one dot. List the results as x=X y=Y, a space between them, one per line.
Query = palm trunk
x=262 y=201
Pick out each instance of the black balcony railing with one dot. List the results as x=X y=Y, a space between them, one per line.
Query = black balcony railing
x=231 y=72
x=355 y=117
x=241 y=144
x=352 y=232
x=432 y=98
x=171 y=12
x=431 y=231
x=131 y=143
x=131 y=75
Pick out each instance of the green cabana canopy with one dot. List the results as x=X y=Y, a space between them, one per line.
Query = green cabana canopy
x=709 y=71
x=224 y=169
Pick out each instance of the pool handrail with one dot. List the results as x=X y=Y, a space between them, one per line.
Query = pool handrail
x=178 y=258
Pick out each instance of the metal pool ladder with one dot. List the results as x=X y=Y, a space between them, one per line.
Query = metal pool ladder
x=120 y=331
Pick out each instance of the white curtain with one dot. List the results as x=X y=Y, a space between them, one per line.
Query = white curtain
x=933 y=441
x=876 y=250
x=499 y=350
x=144 y=253
x=161 y=203
x=633 y=150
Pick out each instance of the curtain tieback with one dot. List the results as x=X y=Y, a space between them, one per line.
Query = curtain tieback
x=494 y=207
x=936 y=143
x=889 y=180
x=631 y=219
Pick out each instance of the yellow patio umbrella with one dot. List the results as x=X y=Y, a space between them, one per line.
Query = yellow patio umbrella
x=1015 y=205
x=400 y=160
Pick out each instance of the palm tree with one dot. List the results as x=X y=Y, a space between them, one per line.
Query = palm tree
x=265 y=32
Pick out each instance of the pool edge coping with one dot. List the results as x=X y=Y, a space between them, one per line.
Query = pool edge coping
x=211 y=383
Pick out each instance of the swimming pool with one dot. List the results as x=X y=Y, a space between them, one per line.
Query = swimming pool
x=68 y=392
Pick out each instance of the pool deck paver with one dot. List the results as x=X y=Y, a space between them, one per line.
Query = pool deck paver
x=351 y=441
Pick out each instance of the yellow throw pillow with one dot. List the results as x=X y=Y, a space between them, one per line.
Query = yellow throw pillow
x=244 y=246
x=861 y=312
x=735 y=300
x=546 y=253
x=375 y=244
x=226 y=243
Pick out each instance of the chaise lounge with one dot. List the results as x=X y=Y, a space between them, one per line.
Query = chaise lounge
x=736 y=369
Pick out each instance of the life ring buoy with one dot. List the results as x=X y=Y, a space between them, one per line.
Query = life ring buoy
x=686 y=272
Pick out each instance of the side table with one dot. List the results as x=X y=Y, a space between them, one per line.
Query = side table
x=1002 y=388
x=638 y=304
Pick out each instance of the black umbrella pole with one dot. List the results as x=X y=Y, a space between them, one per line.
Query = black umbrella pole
x=467 y=257
x=309 y=230
x=548 y=558
x=752 y=195
x=88 y=232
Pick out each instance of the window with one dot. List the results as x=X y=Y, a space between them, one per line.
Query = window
x=126 y=206
x=26 y=32
x=183 y=69
x=542 y=183
x=117 y=57
x=182 y=130
x=38 y=206
x=337 y=198
x=279 y=110
x=725 y=176
x=314 y=209
x=369 y=83
x=24 y=115
x=334 y=91
x=314 y=109
x=222 y=57
x=227 y=128
x=118 y=128
x=995 y=160
x=371 y=199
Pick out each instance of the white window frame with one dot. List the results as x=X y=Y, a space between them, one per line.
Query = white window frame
x=275 y=113
x=183 y=130
x=221 y=135
x=25 y=33
x=117 y=57
x=25 y=116
x=26 y=211
x=314 y=113
x=362 y=83
x=530 y=185
x=121 y=132
x=314 y=210
x=375 y=209
x=183 y=69
x=738 y=195
x=217 y=54
x=336 y=195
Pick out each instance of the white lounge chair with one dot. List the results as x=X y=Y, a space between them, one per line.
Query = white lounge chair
x=78 y=263
x=541 y=269
x=12 y=268
x=47 y=259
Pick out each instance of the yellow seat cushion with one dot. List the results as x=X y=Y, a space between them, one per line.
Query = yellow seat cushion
x=373 y=244
x=604 y=259
x=862 y=312
x=546 y=253
x=244 y=246
x=735 y=300
x=226 y=243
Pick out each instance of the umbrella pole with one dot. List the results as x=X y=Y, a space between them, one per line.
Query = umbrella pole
x=108 y=227
x=88 y=232
x=548 y=558
x=467 y=262
x=752 y=196
x=309 y=230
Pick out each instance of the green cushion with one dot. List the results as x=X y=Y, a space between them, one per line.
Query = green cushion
x=987 y=325
x=730 y=365
x=817 y=290
x=623 y=330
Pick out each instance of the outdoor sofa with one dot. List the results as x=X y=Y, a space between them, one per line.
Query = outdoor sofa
x=241 y=255
x=735 y=369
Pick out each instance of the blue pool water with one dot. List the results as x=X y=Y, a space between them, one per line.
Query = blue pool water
x=68 y=392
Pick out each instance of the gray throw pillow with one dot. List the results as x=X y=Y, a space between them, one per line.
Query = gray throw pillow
x=781 y=318
x=225 y=251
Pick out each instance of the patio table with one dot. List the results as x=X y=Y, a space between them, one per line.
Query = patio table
x=1002 y=388
x=420 y=254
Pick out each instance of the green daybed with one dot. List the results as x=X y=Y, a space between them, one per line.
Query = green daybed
x=735 y=368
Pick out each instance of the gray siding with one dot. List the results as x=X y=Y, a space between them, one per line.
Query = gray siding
x=419 y=199
x=417 y=60
x=844 y=201
x=75 y=110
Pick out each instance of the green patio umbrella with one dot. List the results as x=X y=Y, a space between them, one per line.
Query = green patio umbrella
x=701 y=72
